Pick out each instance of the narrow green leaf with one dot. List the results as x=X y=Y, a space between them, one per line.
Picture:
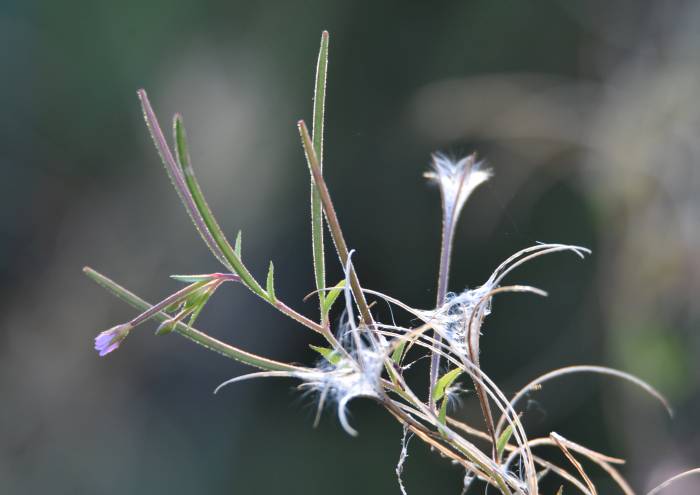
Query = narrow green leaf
x=316 y=205
x=173 y=307
x=442 y=415
x=320 y=96
x=181 y=148
x=398 y=352
x=503 y=440
x=197 y=298
x=331 y=298
x=328 y=354
x=270 y=288
x=192 y=278
x=237 y=245
x=192 y=185
x=444 y=382
x=199 y=305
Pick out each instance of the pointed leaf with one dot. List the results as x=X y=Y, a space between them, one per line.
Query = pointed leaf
x=173 y=307
x=561 y=490
x=237 y=246
x=328 y=354
x=316 y=204
x=442 y=415
x=503 y=440
x=197 y=298
x=270 y=288
x=398 y=352
x=201 y=208
x=332 y=296
x=444 y=382
x=201 y=302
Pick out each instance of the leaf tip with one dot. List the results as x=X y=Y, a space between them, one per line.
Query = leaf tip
x=238 y=244
x=178 y=123
x=270 y=289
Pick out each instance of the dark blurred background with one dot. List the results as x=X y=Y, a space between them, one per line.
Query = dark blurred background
x=587 y=111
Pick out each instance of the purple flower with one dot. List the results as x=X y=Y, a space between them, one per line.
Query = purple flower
x=109 y=340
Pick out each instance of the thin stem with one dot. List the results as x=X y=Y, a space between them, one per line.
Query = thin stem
x=333 y=224
x=172 y=299
x=455 y=441
x=323 y=330
x=316 y=204
x=450 y=211
x=194 y=335
x=448 y=229
x=672 y=480
x=472 y=338
x=177 y=178
x=574 y=462
x=585 y=369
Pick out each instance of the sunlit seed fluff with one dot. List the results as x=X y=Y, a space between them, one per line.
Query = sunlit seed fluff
x=459 y=309
x=457 y=180
x=461 y=316
x=349 y=378
x=357 y=373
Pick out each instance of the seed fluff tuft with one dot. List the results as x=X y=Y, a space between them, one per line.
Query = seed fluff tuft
x=457 y=180
x=356 y=373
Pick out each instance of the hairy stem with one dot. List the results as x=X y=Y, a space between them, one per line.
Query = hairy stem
x=448 y=228
x=177 y=178
x=333 y=224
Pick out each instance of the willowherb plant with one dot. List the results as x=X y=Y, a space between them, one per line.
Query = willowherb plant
x=365 y=357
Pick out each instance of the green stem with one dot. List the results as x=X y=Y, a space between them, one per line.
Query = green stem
x=183 y=160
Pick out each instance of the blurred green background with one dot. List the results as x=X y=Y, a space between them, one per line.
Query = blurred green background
x=587 y=111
